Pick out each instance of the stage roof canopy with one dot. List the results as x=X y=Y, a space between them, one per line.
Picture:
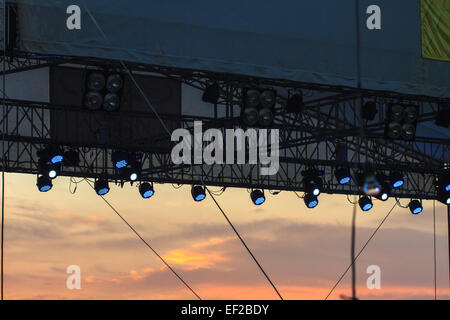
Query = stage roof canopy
x=303 y=40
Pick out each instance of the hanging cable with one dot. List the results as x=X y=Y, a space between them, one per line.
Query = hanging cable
x=147 y=244
x=147 y=101
x=362 y=249
x=246 y=247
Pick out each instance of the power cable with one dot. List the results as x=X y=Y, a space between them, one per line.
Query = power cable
x=146 y=243
x=246 y=247
x=362 y=249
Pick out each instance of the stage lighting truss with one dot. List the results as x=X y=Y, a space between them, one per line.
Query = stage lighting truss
x=257 y=197
x=258 y=107
x=103 y=90
x=401 y=122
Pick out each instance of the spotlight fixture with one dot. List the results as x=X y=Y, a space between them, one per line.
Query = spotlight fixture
x=443 y=196
x=135 y=167
x=71 y=158
x=93 y=100
x=111 y=102
x=119 y=159
x=49 y=170
x=365 y=203
x=311 y=200
x=101 y=186
x=96 y=81
x=396 y=179
x=44 y=184
x=369 y=110
x=258 y=197
x=443 y=117
x=343 y=175
x=146 y=190
x=295 y=103
x=443 y=188
x=415 y=206
x=312 y=181
x=103 y=91
x=198 y=193
x=401 y=121
x=444 y=182
x=385 y=192
x=134 y=172
x=265 y=117
x=211 y=93
x=258 y=107
x=51 y=154
x=369 y=183
x=114 y=83
x=133 y=175
x=250 y=116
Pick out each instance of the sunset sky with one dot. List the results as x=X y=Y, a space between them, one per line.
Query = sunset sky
x=304 y=251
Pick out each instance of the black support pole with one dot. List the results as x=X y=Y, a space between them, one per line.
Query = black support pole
x=448 y=235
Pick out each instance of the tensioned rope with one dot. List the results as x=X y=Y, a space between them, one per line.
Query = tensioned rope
x=147 y=244
x=201 y=179
x=362 y=249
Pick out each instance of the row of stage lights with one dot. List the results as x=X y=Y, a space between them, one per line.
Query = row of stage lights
x=258 y=110
x=128 y=166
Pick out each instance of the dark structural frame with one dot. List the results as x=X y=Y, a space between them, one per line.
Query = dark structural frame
x=329 y=121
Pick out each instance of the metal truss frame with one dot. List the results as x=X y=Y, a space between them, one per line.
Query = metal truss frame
x=330 y=118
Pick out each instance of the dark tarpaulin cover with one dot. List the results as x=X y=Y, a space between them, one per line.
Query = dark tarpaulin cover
x=302 y=40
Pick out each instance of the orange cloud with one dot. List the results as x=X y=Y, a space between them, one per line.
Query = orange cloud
x=194 y=259
x=135 y=275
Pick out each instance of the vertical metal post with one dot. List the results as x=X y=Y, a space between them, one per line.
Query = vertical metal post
x=448 y=235
x=353 y=252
